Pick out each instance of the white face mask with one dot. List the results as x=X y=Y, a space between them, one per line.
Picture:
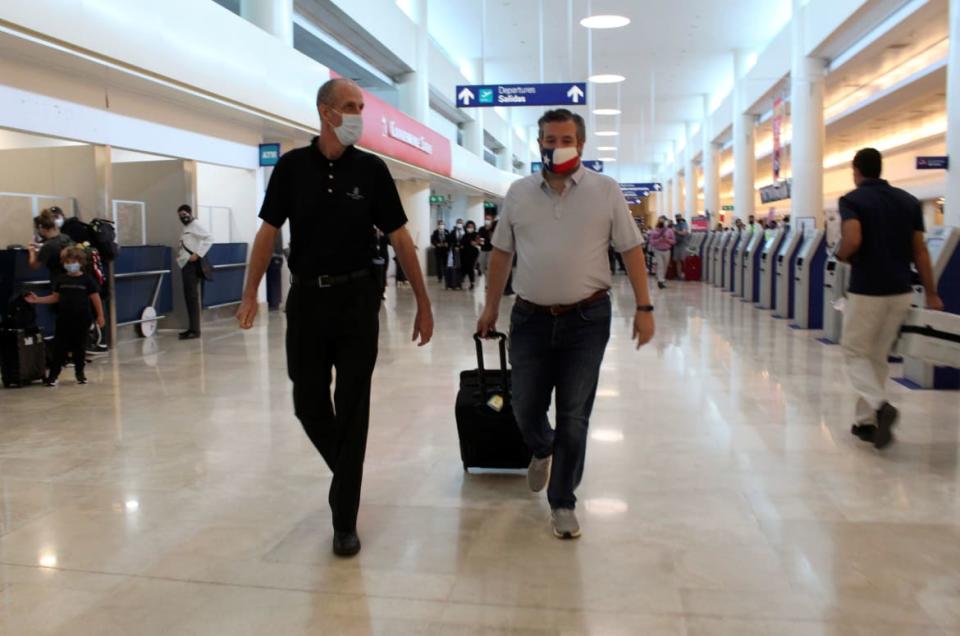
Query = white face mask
x=350 y=130
x=58 y=222
x=72 y=268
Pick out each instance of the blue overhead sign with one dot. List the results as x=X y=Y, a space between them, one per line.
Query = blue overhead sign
x=932 y=163
x=591 y=164
x=269 y=154
x=639 y=190
x=484 y=96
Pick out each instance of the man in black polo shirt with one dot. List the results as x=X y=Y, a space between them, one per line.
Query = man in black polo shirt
x=332 y=193
x=881 y=236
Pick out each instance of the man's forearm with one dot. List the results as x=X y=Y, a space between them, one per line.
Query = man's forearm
x=407 y=257
x=259 y=260
x=636 y=264
x=498 y=271
x=925 y=269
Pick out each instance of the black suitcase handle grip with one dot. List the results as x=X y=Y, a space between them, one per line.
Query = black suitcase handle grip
x=502 y=342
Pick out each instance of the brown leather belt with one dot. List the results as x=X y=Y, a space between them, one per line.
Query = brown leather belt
x=559 y=310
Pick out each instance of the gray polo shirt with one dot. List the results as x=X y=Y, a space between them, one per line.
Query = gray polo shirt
x=561 y=240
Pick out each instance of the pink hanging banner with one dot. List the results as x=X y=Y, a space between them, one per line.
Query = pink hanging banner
x=777 y=126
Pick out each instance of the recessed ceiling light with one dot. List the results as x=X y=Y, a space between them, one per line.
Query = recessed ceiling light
x=608 y=159
x=608 y=148
x=605 y=22
x=606 y=133
x=606 y=111
x=608 y=78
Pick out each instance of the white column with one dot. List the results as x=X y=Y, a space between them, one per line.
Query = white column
x=668 y=195
x=505 y=158
x=745 y=163
x=951 y=214
x=273 y=16
x=806 y=114
x=414 y=88
x=415 y=197
x=473 y=129
x=690 y=175
x=475 y=211
x=711 y=163
x=677 y=200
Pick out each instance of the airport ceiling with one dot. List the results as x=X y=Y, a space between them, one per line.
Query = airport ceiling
x=675 y=50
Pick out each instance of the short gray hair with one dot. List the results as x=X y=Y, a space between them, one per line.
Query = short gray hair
x=327 y=94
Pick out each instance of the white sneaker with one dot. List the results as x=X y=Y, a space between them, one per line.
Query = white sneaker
x=538 y=474
x=565 y=525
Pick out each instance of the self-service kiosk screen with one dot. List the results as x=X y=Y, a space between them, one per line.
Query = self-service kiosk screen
x=785 y=245
x=768 y=243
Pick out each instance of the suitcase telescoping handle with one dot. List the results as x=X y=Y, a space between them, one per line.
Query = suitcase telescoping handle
x=502 y=342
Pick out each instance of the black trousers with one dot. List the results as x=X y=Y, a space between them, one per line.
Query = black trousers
x=327 y=329
x=71 y=339
x=440 y=255
x=192 y=277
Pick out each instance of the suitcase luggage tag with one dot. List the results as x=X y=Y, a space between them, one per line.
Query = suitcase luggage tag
x=495 y=403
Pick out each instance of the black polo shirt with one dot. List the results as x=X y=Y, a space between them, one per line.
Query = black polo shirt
x=332 y=207
x=888 y=217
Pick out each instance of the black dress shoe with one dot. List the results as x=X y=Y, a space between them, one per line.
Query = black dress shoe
x=886 y=418
x=189 y=335
x=865 y=432
x=346 y=544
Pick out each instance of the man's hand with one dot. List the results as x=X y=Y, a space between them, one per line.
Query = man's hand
x=101 y=322
x=247 y=312
x=423 y=325
x=643 y=327
x=31 y=298
x=934 y=302
x=194 y=258
x=488 y=322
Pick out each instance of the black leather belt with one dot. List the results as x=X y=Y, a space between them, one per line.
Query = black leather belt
x=559 y=310
x=328 y=280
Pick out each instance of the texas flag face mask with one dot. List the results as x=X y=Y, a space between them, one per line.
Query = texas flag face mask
x=560 y=160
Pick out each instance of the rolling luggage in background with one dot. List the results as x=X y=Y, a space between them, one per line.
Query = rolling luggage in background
x=692 y=268
x=22 y=356
x=452 y=278
x=489 y=437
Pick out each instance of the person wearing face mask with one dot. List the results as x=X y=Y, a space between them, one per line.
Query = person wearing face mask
x=47 y=254
x=469 y=252
x=439 y=241
x=662 y=241
x=484 y=238
x=332 y=192
x=559 y=223
x=77 y=296
x=195 y=242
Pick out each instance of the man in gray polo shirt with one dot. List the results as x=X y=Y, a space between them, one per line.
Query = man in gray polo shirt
x=560 y=223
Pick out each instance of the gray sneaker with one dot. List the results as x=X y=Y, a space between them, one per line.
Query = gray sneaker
x=565 y=524
x=538 y=474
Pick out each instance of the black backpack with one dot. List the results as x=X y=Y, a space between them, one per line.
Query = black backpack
x=104 y=238
x=100 y=233
x=19 y=314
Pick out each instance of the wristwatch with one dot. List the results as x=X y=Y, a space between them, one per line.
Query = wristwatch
x=647 y=308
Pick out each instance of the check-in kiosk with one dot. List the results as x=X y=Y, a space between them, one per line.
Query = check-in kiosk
x=768 y=268
x=808 y=281
x=943 y=244
x=729 y=250
x=784 y=276
x=835 y=278
x=719 y=250
x=751 y=266
x=736 y=284
x=707 y=254
x=716 y=274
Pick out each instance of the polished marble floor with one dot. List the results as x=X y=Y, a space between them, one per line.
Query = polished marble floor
x=176 y=494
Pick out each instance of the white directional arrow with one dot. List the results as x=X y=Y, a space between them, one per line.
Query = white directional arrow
x=575 y=93
x=465 y=96
x=656 y=187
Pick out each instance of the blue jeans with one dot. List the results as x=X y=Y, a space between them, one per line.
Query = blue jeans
x=563 y=353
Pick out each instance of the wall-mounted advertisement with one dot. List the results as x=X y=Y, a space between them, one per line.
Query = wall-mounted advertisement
x=777 y=124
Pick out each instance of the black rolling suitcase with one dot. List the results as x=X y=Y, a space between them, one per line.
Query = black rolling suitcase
x=22 y=356
x=489 y=437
